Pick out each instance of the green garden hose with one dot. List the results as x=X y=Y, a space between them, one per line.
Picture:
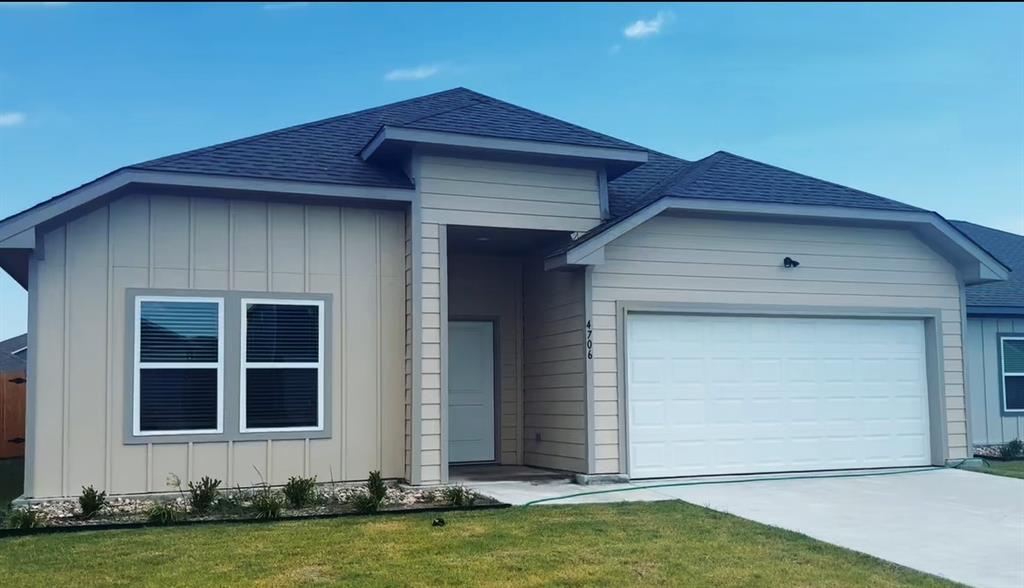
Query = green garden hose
x=742 y=481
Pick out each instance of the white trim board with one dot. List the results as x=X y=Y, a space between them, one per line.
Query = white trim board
x=246 y=365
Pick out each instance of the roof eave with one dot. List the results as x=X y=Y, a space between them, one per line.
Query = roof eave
x=975 y=265
x=18 y=232
x=395 y=141
x=994 y=311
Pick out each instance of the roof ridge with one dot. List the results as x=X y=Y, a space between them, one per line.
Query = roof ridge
x=684 y=176
x=986 y=227
x=817 y=179
x=596 y=134
x=439 y=112
x=306 y=125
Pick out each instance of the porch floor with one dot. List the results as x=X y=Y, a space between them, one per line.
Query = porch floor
x=475 y=473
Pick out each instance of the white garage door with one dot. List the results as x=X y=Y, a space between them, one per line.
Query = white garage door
x=727 y=394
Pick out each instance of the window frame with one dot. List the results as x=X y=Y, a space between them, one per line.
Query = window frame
x=1003 y=374
x=245 y=365
x=137 y=365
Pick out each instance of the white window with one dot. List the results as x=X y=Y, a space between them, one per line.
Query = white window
x=179 y=365
x=282 y=376
x=1012 y=351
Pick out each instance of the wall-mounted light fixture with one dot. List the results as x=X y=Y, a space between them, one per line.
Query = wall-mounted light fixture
x=789 y=262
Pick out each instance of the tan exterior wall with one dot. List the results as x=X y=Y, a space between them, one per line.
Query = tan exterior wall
x=486 y=288
x=555 y=413
x=691 y=260
x=139 y=241
x=486 y=193
x=989 y=424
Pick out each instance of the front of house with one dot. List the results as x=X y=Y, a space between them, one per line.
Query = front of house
x=454 y=279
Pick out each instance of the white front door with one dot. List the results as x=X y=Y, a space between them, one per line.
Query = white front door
x=737 y=394
x=470 y=391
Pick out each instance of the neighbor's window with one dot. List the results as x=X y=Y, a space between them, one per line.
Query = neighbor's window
x=179 y=360
x=282 y=365
x=1013 y=373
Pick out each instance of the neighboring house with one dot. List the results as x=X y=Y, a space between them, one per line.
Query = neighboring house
x=995 y=342
x=13 y=355
x=455 y=279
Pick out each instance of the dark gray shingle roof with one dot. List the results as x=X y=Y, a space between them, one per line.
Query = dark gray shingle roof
x=724 y=176
x=328 y=150
x=1007 y=248
x=8 y=361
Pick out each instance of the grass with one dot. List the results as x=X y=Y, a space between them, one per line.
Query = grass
x=1010 y=469
x=668 y=543
x=12 y=475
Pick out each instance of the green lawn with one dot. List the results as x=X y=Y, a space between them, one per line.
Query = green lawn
x=1010 y=469
x=668 y=543
x=12 y=472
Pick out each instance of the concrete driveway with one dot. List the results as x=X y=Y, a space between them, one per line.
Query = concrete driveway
x=965 y=526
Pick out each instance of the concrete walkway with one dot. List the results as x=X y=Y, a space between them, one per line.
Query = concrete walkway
x=965 y=526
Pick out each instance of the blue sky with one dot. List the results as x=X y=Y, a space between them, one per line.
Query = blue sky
x=921 y=103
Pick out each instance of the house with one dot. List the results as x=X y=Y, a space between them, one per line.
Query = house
x=13 y=353
x=455 y=279
x=994 y=342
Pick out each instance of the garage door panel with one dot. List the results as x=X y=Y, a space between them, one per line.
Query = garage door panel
x=729 y=394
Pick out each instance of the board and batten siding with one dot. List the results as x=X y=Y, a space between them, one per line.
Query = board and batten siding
x=77 y=295
x=490 y=288
x=700 y=260
x=554 y=392
x=476 y=192
x=989 y=424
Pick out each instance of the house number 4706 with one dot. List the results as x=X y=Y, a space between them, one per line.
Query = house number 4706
x=590 y=341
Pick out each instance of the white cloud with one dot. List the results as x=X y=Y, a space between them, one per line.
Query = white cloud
x=647 y=28
x=11 y=119
x=412 y=73
x=284 y=5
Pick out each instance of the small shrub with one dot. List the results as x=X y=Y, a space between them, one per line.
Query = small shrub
x=267 y=503
x=23 y=518
x=376 y=487
x=1012 y=449
x=164 y=513
x=365 y=503
x=376 y=491
x=203 y=494
x=91 y=502
x=458 y=496
x=300 y=491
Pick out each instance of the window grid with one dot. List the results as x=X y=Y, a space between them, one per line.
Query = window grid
x=140 y=366
x=1006 y=374
x=247 y=365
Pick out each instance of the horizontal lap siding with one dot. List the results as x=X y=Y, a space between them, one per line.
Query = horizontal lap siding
x=988 y=422
x=687 y=260
x=554 y=393
x=141 y=241
x=475 y=192
x=431 y=302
